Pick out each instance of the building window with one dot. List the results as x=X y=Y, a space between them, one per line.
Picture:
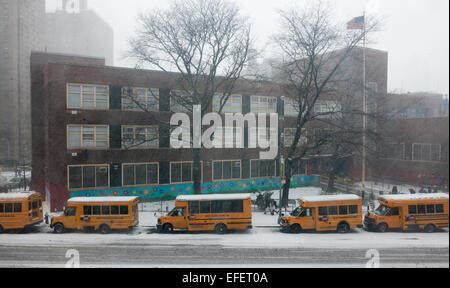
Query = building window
x=262 y=168
x=298 y=167
x=140 y=174
x=225 y=170
x=393 y=151
x=262 y=104
x=180 y=101
x=83 y=96
x=323 y=134
x=186 y=143
x=140 y=137
x=327 y=109
x=291 y=107
x=182 y=172
x=88 y=176
x=289 y=135
x=426 y=152
x=140 y=99
x=87 y=136
x=233 y=104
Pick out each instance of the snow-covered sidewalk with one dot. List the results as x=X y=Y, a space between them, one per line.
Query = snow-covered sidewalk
x=255 y=238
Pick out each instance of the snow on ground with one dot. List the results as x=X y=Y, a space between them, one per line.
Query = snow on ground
x=255 y=238
x=387 y=187
x=8 y=175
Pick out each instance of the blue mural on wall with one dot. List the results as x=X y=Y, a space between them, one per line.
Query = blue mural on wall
x=171 y=191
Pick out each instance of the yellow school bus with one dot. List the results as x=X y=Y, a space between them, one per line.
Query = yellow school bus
x=20 y=210
x=97 y=213
x=339 y=213
x=213 y=212
x=409 y=212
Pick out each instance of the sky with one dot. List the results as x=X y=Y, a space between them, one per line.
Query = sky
x=415 y=33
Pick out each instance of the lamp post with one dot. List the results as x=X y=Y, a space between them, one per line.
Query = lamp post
x=280 y=151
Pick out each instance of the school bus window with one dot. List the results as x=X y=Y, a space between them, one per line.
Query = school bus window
x=123 y=210
x=394 y=211
x=439 y=208
x=323 y=211
x=296 y=211
x=17 y=207
x=420 y=209
x=87 y=210
x=135 y=209
x=96 y=210
x=34 y=205
x=234 y=206
x=430 y=209
x=343 y=210
x=114 y=210
x=70 y=211
x=29 y=206
x=205 y=207
x=332 y=210
x=8 y=208
x=105 y=210
x=306 y=213
x=193 y=207
x=353 y=209
x=2 y=207
x=412 y=209
x=216 y=206
x=177 y=212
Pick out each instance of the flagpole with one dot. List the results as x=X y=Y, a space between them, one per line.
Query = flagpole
x=363 y=172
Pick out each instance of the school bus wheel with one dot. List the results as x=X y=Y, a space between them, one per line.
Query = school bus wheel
x=343 y=227
x=296 y=228
x=382 y=227
x=429 y=228
x=104 y=229
x=167 y=228
x=221 y=228
x=58 y=228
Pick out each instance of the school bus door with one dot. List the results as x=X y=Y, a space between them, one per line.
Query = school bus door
x=179 y=218
x=71 y=220
x=393 y=218
x=307 y=219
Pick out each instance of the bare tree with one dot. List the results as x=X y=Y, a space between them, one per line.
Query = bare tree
x=312 y=49
x=206 y=42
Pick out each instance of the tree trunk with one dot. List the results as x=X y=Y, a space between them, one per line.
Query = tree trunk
x=287 y=185
x=330 y=186
x=197 y=172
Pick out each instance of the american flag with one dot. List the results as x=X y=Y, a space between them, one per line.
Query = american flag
x=356 y=23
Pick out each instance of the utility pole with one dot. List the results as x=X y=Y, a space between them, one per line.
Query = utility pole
x=19 y=83
x=280 y=152
x=364 y=152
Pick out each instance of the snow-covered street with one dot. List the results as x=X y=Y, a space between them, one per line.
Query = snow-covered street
x=263 y=246
x=260 y=247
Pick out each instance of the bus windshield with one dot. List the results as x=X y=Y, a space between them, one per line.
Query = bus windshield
x=172 y=211
x=296 y=211
x=381 y=210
